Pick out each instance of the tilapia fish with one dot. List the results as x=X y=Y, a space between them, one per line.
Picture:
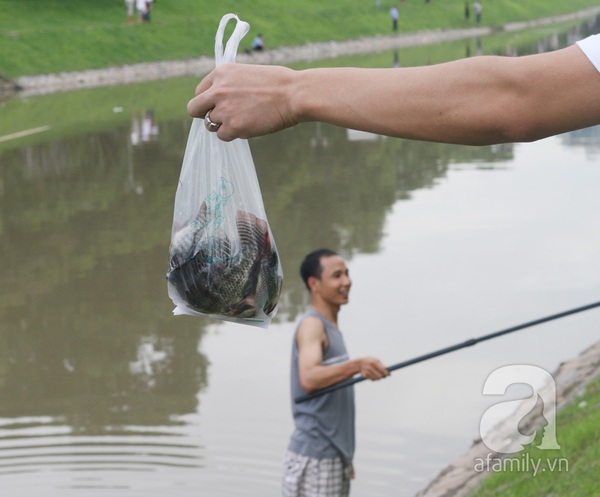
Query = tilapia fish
x=221 y=276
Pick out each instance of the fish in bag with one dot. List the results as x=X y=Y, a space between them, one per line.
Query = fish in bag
x=223 y=261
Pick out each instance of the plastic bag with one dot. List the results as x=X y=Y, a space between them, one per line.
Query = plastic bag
x=223 y=261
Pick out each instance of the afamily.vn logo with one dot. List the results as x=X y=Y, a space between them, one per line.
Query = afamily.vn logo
x=544 y=389
x=524 y=463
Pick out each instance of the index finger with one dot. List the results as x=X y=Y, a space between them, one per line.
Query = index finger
x=382 y=369
x=199 y=105
x=205 y=84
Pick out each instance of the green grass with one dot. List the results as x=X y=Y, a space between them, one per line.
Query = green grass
x=62 y=111
x=46 y=36
x=571 y=471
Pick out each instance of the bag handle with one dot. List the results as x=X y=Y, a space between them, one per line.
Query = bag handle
x=241 y=29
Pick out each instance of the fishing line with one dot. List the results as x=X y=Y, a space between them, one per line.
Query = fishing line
x=446 y=350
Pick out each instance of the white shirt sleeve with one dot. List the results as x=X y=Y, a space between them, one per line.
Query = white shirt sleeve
x=591 y=48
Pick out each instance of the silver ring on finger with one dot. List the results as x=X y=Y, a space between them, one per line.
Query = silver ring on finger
x=210 y=125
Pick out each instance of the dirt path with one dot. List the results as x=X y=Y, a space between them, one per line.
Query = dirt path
x=60 y=82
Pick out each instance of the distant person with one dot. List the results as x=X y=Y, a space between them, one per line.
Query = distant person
x=477 y=8
x=467 y=11
x=318 y=462
x=130 y=5
x=258 y=44
x=394 y=15
x=143 y=9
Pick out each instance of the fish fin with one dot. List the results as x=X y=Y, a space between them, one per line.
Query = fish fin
x=253 y=231
x=246 y=308
x=202 y=216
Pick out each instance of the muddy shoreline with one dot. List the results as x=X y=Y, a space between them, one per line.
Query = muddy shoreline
x=136 y=73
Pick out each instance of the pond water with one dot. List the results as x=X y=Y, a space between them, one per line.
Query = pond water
x=104 y=392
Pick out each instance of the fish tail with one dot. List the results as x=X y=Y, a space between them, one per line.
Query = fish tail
x=253 y=231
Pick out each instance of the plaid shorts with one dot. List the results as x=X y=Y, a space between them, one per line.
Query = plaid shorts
x=310 y=477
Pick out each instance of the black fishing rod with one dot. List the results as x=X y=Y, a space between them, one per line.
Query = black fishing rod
x=452 y=348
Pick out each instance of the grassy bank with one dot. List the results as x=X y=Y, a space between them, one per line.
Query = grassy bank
x=47 y=36
x=62 y=111
x=572 y=470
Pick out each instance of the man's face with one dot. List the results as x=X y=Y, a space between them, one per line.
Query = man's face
x=334 y=285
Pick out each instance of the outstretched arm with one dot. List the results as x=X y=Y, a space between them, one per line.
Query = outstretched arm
x=476 y=101
x=314 y=375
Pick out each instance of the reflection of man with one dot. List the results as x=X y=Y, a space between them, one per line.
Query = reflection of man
x=320 y=452
x=478 y=8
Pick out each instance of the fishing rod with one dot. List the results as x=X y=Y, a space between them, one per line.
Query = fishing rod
x=446 y=350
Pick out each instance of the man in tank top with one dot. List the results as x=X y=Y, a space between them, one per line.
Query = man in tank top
x=320 y=452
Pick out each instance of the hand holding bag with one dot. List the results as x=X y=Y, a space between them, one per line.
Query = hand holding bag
x=223 y=261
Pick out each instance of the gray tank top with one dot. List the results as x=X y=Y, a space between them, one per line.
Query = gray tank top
x=325 y=424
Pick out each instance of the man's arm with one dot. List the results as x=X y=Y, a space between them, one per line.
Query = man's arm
x=477 y=101
x=313 y=375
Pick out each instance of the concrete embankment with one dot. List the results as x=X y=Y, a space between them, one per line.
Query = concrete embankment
x=135 y=73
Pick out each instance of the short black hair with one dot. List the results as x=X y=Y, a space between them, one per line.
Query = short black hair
x=311 y=265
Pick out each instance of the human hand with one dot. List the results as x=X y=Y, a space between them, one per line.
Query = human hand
x=248 y=100
x=372 y=369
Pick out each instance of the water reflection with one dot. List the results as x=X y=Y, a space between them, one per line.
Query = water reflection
x=144 y=127
x=89 y=348
x=93 y=370
x=72 y=207
x=95 y=373
x=588 y=139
